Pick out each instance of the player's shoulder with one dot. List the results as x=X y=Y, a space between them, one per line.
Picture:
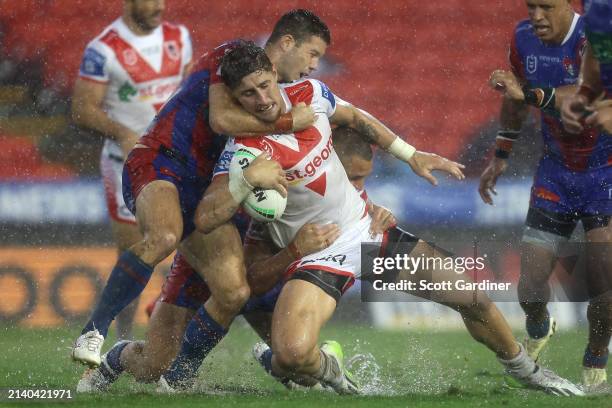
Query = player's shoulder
x=168 y=25
x=308 y=90
x=99 y=42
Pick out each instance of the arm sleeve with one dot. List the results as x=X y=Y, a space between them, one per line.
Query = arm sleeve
x=515 y=60
x=95 y=63
x=324 y=98
x=223 y=164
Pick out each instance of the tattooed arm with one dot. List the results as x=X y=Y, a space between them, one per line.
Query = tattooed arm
x=422 y=163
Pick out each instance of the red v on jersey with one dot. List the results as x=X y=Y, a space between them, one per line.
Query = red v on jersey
x=319 y=185
x=137 y=67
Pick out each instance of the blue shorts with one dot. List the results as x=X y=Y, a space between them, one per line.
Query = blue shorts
x=569 y=196
x=145 y=165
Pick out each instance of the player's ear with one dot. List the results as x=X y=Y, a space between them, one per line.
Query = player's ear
x=287 y=42
x=275 y=72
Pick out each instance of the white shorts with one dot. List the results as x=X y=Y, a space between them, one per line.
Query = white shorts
x=343 y=257
x=111 y=166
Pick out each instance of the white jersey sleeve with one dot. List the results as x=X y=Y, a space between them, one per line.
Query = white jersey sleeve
x=187 y=45
x=96 y=62
x=223 y=164
x=323 y=101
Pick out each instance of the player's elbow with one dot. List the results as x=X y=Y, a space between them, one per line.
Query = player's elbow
x=219 y=123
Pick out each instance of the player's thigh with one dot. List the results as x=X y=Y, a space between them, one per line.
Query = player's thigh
x=125 y=234
x=218 y=257
x=261 y=322
x=165 y=332
x=441 y=278
x=158 y=208
x=301 y=310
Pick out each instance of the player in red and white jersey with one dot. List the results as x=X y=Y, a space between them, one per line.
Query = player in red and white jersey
x=127 y=72
x=315 y=282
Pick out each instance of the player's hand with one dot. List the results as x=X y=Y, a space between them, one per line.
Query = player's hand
x=382 y=219
x=601 y=116
x=423 y=164
x=127 y=141
x=303 y=116
x=313 y=238
x=489 y=177
x=266 y=173
x=573 y=111
x=506 y=83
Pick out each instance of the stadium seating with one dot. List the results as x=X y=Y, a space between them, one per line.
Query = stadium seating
x=420 y=66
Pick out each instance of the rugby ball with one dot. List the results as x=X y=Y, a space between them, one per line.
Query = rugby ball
x=262 y=205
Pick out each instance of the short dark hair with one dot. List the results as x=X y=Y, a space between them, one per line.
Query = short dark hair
x=348 y=142
x=301 y=25
x=243 y=60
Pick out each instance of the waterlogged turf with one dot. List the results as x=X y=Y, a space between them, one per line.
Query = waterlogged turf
x=396 y=369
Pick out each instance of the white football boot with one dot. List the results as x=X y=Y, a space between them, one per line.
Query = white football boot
x=87 y=348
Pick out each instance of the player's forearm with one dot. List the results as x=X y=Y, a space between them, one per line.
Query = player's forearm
x=366 y=124
x=562 y=93
x=215 y=209
x=94 y=117
x=235 y=121
x=228 y=118
x=512 y=114
x=262 y=275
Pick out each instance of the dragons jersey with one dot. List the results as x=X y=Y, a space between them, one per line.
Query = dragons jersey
x=598 y=17
x=141 y=71
x=319 y=190
x=550 y=66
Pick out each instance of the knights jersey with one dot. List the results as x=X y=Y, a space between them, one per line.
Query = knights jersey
x=598 y=17
x=542 y=65
x=319 y=190
x=141 y=71
x=181 y=127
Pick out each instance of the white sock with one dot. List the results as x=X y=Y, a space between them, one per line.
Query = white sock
x=521 y=365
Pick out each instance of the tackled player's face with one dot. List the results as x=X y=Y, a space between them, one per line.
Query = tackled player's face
x=551 y=19
x=259 y=94
x=147 y=13
x=357 y=169
x=300 y=60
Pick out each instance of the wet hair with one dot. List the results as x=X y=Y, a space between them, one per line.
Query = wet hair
x=301 y=25
x=349 y=142
x=243 y=60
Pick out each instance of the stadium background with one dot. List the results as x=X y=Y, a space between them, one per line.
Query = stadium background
x=421 y=67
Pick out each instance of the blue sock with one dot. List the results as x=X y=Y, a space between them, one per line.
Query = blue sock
x=537 y=330
x=113 y=359
x=126 y=282
x=201 y=336
x=593 y=361
x=266 y=361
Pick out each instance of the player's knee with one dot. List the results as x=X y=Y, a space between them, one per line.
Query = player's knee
x=234 y=298
x=475 y=308
x=292 y=355
x=162 y=244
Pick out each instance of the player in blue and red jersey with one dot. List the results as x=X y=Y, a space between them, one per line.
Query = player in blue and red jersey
x=164 y=179
x=545 y=55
